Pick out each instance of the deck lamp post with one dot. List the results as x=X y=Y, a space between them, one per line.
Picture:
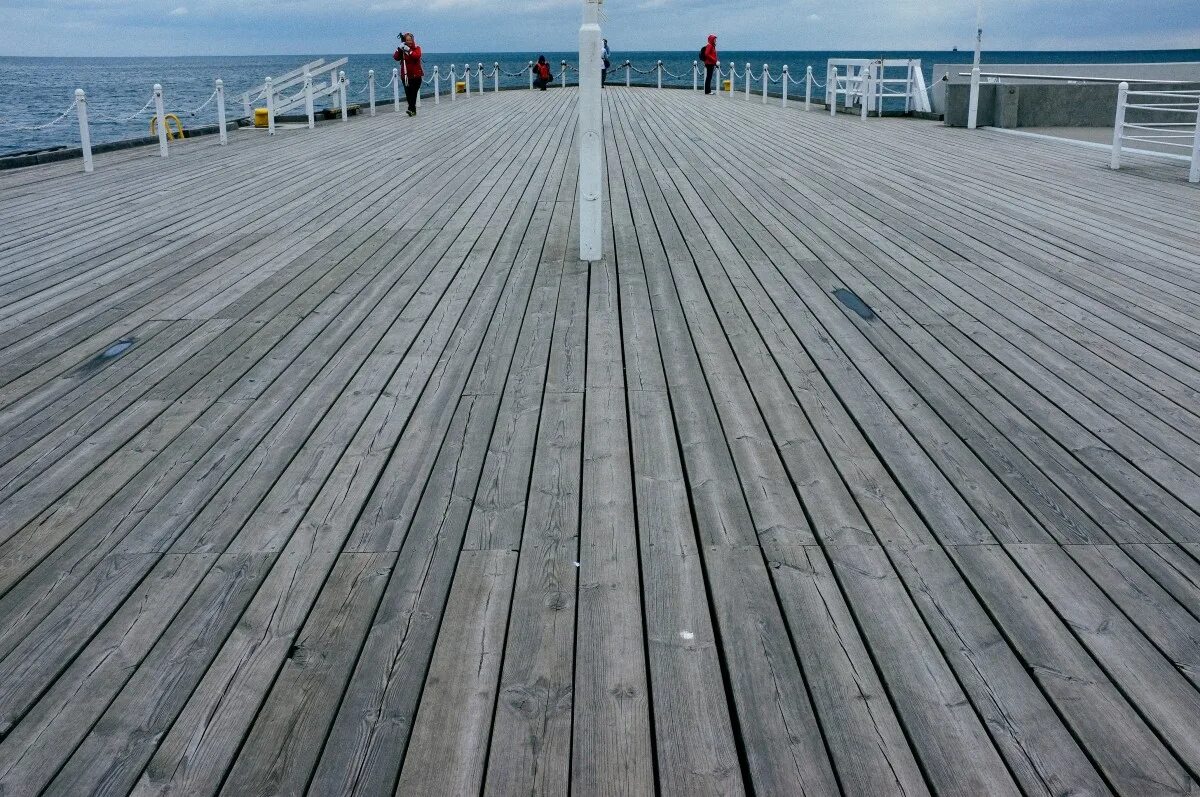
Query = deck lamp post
x=973 y=102
x=590 y=125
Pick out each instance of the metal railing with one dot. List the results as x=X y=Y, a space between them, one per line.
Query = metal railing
x=1180 y=132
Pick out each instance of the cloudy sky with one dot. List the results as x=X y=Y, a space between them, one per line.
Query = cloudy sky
x=260 y=27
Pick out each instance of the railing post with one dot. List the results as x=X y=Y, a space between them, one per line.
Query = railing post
x=747 y=80
x=808 y=84
x=308 y=100
x=660 y=74
x=396 y=88
x=343 y=89
x=766 y=79
x=161 y=117
x=732 y=78
x=716 y=73
x=85 y=135
x=1119 y=126
x=467 y=81
x=908 y=90
x=481 y=79
x=531 y=75
x=496 y=76
x=1194 y=173
x=864 y=86
x=453 y=84
x=831 y=88
x=784 y=82
x=371 y=89
x=437 y=87
x=628 y=69
x=973 y=105
x=591 y=177
x=223 y=137
x=695 y=75
x=563 y=73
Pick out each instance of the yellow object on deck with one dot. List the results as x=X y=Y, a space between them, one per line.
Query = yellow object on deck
x=460 y=87
x=172 y=134
x=729 y=85
x=260 y=117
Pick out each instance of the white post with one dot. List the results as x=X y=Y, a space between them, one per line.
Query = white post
x=695 y=75
x=659 y=69
x=747 y=80
x=864 y=86
x=591 y=242
x=249 y=112
x=716 y=74
x=628 y=68
x=531 y=75
x=308 y=100
x=467 y=80
x=480 y=79
x=85 y=135
x=371 y=89
x=908 y=90
x=766 y=72
x=784 y=82
x=562 y=73
x=1119 y=126
x=344 y=88
x=831 y=87
x=162 y=122
x=437 y=87
x=732 y=76
x=973 y=106
x=453 y=84
x=396 y=87
x=496 y=76
x=223 y=137
x=1194 y=174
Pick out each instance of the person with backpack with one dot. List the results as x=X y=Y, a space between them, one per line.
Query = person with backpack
x=411 y=71
x=708 y=57
x=542 y=76
x=606 y=65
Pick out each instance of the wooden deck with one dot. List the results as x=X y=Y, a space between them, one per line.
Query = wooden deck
x=868 y=462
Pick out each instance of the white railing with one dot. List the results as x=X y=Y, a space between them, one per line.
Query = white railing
x=869 y=83
x=310 y=92
x=1183 y=134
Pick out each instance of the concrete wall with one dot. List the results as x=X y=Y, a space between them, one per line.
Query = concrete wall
x=1046 y=105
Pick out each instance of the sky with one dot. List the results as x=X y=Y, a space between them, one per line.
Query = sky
x=268 y=27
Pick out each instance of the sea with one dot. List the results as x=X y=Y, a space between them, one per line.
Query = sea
x=34 y=92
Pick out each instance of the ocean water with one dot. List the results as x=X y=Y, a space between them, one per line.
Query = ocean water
x=34 y=91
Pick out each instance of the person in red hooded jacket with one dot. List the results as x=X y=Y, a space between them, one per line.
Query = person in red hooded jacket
x=709 y=56
x=411 y=71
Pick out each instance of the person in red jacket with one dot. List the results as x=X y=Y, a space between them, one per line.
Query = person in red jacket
x=709 y=56
x=411 y=71
x=542 y=76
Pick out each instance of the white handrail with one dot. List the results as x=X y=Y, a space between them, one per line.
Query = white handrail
x=1161 y=134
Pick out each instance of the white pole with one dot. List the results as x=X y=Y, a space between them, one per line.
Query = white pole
x=437 y=86
x=978 y=31
x=223 y=137
x=531 y=75
x=766 y=72
x=371 y=89
x=695 y=75
x=453 y=84
x=784 y=82
x=908 y=89
x=467 y=80
x=1194 y=174
x=831 y=86
x=808 y=84
x=308 y=100
x=716 y=74
x=1119 y=126
x=344 y=87
x=659 y=74
x=85 y=135
x=562 y=73
x=481 y=79
x=732 y=75
x=628 y=67
x=747 y=80
x=162 y=122
x=396 y=87
x=591 y=242
x=496 y=76
x=973 y=106
x=864 y=86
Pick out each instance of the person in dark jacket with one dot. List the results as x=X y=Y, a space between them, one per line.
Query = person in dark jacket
x=411 y=71
x=710 y=58
x=541 y=73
